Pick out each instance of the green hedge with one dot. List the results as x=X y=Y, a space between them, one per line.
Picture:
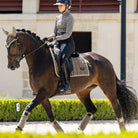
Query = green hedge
x=63 y=109
x=62 y=135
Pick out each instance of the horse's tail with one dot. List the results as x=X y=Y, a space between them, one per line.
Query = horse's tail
x=127 y=100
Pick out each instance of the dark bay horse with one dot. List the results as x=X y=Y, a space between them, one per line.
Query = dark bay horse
x=43 y=81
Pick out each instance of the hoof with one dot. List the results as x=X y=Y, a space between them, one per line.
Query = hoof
x=18 y=129
x=85 y=121
x=57 y=126
x=79 y=130
x=123 y=129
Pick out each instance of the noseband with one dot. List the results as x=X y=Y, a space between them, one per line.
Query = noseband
x=19 y=55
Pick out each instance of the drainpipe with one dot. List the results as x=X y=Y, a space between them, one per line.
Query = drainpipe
x=123 y=39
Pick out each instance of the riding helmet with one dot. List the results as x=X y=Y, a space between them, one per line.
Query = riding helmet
x=62 y=2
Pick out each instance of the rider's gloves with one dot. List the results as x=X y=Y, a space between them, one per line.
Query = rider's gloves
x=50 y=39
x=45 y=39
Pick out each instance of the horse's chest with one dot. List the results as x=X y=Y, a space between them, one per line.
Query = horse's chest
x=34 y=83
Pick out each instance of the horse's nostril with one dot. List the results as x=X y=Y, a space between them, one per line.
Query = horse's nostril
x=11 y=67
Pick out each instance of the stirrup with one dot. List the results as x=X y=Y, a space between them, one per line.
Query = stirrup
x=65 y=90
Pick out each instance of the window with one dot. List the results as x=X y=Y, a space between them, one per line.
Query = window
x=82 y=41
x=47 y=5
x=83 y=5
x=137 y=6
x=95 y=5
x=10 y=6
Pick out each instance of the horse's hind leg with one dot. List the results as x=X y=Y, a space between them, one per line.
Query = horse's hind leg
x=84 y=97
x=109 y=89
x=47 y=106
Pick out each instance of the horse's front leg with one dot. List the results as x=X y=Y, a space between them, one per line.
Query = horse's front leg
x=47 y=106
x=36 y=101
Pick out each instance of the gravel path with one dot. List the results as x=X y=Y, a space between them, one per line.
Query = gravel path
x=93 y=127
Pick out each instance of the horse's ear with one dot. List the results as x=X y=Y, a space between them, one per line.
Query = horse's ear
x=13 y=31
x=5 y=32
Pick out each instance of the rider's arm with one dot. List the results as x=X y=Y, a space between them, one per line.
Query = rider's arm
x=69 y=28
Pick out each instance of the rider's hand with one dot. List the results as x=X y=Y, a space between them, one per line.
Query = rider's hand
x=50 y=39
x=45 y=39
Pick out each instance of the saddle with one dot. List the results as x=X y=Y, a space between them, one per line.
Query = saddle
x=76 y=64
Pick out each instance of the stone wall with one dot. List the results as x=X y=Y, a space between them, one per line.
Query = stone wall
x=105 y=29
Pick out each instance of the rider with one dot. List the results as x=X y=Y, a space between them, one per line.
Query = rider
x=64 y=41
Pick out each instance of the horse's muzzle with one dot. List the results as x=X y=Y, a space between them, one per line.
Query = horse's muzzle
x=14 y=65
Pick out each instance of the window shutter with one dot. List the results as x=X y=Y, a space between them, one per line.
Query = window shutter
x=95 y=5
x=83 y=5
x=7 y=6
x=47 y=5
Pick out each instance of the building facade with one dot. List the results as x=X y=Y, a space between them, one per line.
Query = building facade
x=97 y=28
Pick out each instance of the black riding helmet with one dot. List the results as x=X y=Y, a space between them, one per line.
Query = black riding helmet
x=62 y=2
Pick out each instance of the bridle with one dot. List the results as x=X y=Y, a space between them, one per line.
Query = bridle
x=19 y=56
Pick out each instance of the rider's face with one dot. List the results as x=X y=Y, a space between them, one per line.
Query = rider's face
x=61 y=8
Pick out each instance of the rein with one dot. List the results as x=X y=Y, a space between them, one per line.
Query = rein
x=24 y=56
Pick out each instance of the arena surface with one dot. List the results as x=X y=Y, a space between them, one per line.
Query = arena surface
x=94 y=127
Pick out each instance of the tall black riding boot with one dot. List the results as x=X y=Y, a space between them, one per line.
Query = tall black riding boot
x=66 y=82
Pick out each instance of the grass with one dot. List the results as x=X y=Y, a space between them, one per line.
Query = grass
x=62 y=135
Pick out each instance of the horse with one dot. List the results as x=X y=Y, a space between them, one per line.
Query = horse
x=43 y=81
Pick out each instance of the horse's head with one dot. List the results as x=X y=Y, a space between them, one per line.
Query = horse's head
x=14 y=49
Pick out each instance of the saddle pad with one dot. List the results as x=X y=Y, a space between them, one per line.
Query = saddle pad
x=80 y=67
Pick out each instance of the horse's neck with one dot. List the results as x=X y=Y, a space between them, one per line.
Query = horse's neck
x=38 y=58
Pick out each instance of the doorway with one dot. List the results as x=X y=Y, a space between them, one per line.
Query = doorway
x=82 y=41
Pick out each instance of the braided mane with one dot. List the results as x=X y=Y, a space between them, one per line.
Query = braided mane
x=32 y=34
